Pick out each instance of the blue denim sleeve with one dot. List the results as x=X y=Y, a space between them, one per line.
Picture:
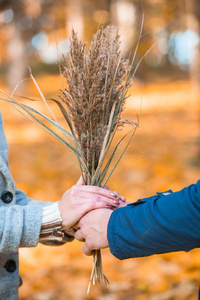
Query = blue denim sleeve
x=159 y=224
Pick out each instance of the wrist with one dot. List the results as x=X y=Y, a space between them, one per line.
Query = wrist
x=51 y=223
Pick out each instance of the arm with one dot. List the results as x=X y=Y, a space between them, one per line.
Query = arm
x=50 y=216
x=20 y=225
x=159 y=224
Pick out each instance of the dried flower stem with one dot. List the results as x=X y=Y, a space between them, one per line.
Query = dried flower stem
x=91 y=104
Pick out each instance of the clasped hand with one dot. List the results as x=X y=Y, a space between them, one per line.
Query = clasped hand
x=88 y=209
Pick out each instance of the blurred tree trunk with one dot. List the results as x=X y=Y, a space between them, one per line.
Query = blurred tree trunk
x=74 y=17
x=17 y=61
x=16 y=48
x=193 y=23
x=24 y=11
x=127 y=16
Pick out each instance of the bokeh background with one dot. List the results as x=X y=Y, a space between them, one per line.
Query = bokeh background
x=164 y=154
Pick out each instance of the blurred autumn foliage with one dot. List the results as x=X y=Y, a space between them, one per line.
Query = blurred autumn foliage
x=164 y=154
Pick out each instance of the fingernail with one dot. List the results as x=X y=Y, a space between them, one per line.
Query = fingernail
x=113 y=194
x=116 y=202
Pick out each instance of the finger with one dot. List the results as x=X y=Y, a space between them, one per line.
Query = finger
x=86 y=250
x=80 y=181
x=105 y=187
x=78 y=236
x=97 y=205
x=97 y=190
x=85 y=208
x=116 y=193
x=88 y=197
x=76 y=226
x=122 y=198
x=122 y=204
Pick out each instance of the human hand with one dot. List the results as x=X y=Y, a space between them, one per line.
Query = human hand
x=80 y=199
x=122 y=200
x=93 y=230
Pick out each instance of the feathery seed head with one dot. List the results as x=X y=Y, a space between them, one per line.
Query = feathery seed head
x=96 y=81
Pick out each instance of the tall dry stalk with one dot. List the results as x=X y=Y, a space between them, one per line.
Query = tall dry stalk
x=97 y=83
x=95 y=94
x=91 y=104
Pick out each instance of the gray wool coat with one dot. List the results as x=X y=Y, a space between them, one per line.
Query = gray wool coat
x=20 y=223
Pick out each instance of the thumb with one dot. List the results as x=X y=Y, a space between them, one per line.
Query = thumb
x=81 y=181
x=86 y=250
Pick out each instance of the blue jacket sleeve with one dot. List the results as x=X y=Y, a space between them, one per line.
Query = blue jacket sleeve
x=159 y=224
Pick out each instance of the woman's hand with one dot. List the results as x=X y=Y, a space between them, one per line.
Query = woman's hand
x=122 y=200
x=80 y=199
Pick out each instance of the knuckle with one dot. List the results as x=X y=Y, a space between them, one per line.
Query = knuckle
x=105 y=199
x=76 y=187
x=90 y=245
x=72 y=193
x=80 y=223
x=92 y=204
x=98 y=198
x=84 y=233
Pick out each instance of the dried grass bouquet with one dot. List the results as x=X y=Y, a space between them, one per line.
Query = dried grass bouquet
x=91 y=104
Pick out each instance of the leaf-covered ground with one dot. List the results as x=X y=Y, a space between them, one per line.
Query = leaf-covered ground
x=163 y=155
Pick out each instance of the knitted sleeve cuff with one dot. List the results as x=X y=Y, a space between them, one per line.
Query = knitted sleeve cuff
x=50 y=233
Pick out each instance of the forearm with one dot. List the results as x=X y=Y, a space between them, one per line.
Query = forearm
x=22 y=226
x=19 y=227
x=158 y=224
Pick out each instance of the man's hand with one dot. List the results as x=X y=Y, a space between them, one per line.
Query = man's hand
x=93 y=230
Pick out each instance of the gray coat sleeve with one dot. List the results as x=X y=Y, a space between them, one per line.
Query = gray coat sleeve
x=20 y=223
x=22 y=199
x=19 y=226
x=20 y=220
